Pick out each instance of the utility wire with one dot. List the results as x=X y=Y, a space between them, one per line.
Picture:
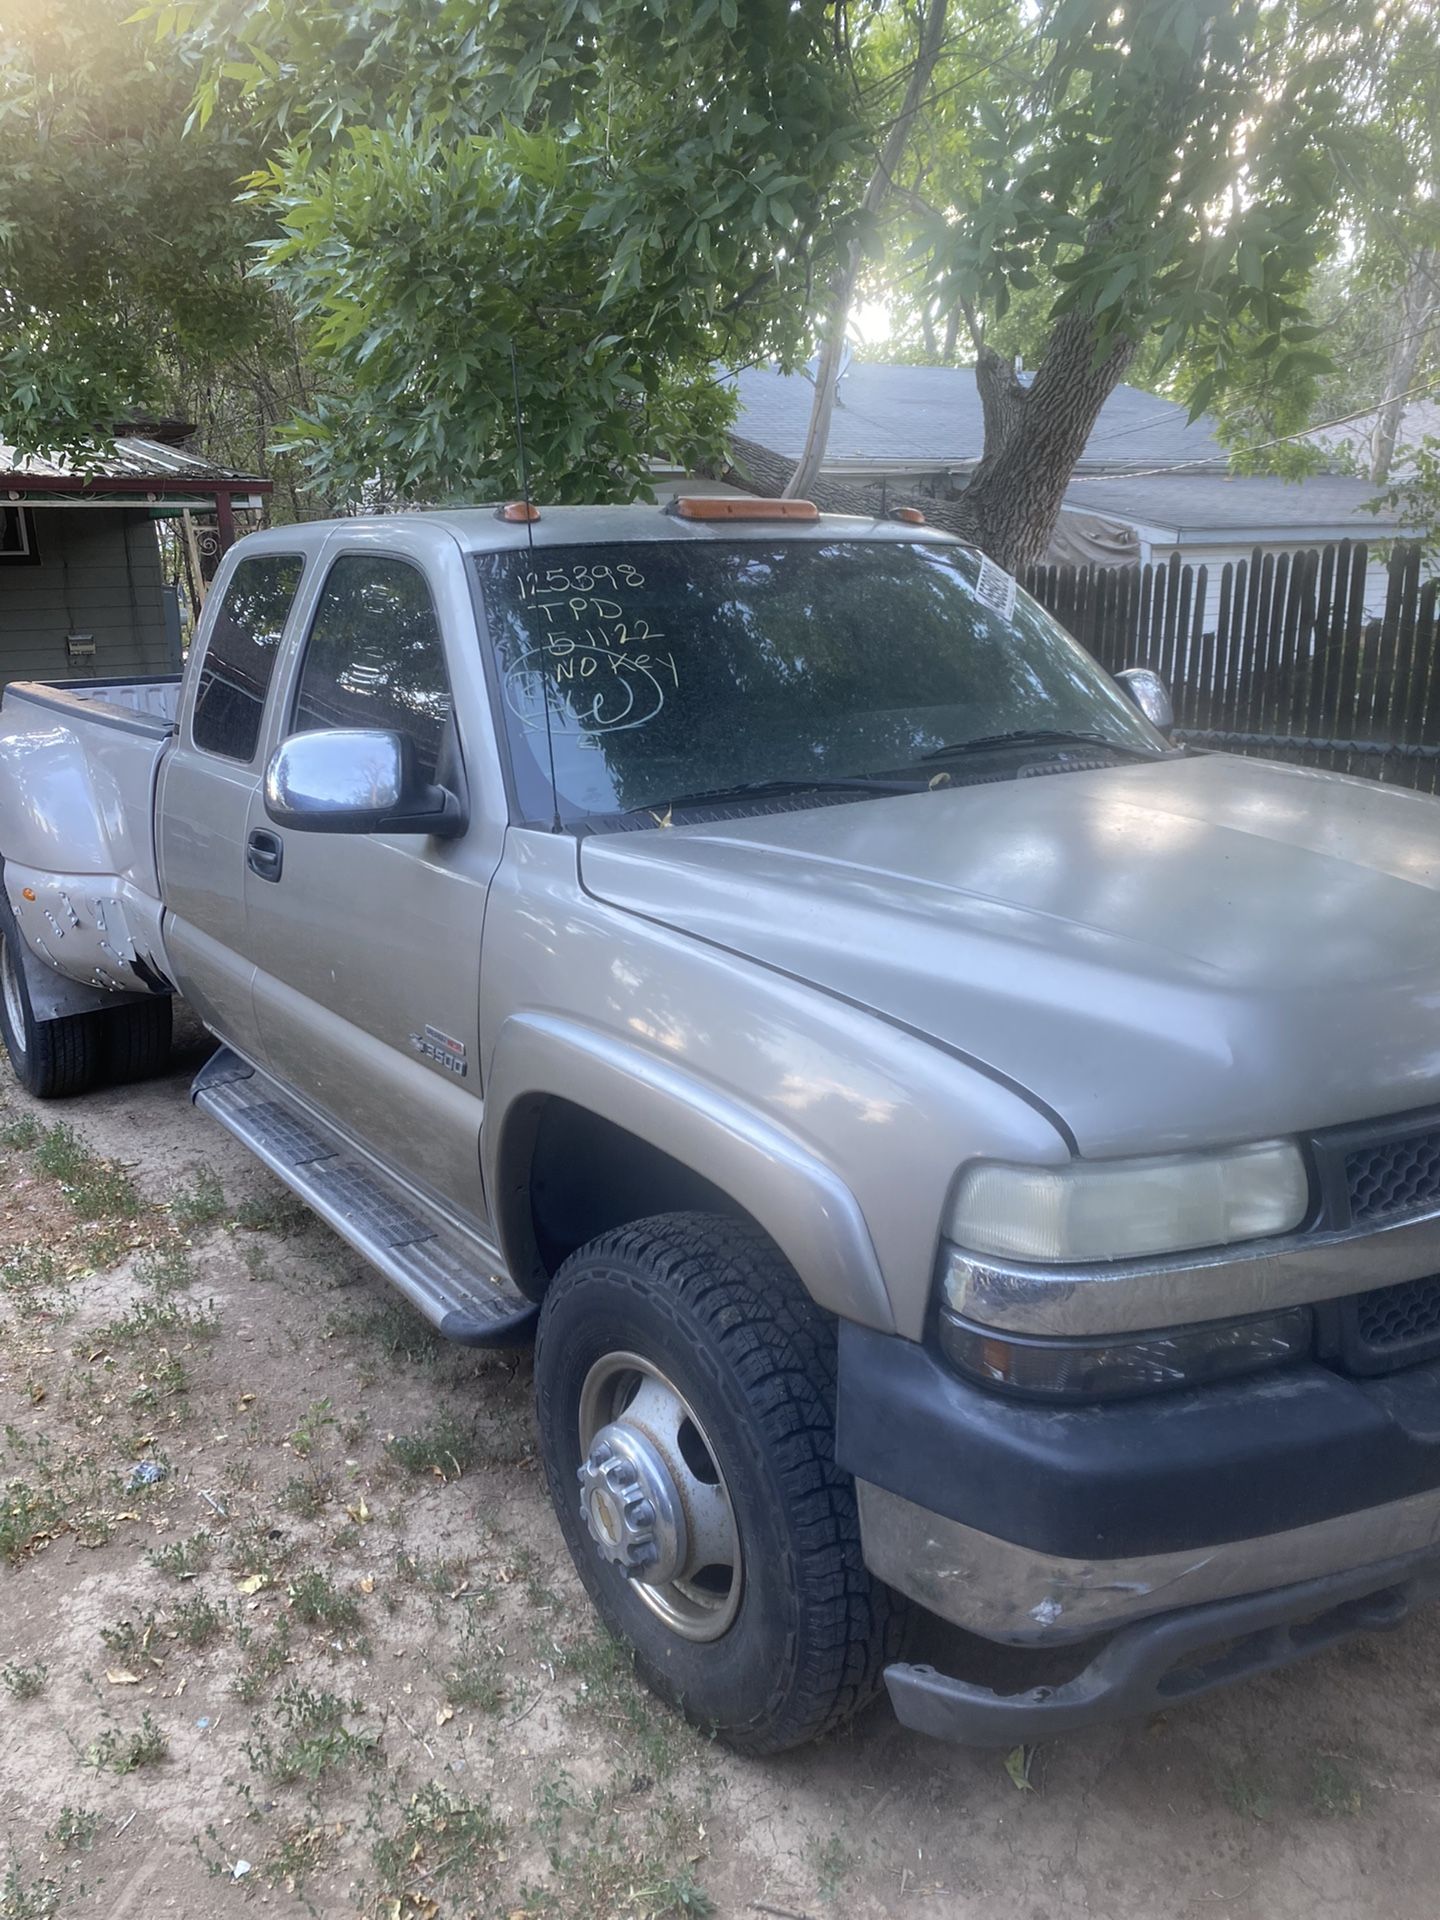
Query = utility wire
x=1149 y=473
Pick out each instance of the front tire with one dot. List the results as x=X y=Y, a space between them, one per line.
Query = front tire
x=685 y=1385
x=52 y=1059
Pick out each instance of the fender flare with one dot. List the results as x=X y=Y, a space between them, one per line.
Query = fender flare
x=53 y=995
x=797 y=1199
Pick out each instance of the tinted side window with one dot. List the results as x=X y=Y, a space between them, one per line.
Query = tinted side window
x=244 y=641
x=374 y=657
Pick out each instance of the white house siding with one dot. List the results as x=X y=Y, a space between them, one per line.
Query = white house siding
x=98 y=574
x=1215 y=559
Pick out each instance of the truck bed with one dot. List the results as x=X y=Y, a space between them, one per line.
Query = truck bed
x=152 y=702
x=79 y=760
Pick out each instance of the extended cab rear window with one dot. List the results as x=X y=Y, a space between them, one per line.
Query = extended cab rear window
x=241 y=653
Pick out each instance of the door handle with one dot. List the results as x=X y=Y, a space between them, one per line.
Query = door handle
x=265 y=853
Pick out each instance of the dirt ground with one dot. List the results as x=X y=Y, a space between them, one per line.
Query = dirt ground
x=285 y=1624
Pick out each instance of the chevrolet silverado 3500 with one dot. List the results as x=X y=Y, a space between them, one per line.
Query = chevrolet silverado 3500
x=952 y=1147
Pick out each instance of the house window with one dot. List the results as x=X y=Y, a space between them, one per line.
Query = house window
x=17 y=538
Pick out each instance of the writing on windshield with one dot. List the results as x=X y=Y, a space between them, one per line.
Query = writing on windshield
x=588 y=638
x=673 y=667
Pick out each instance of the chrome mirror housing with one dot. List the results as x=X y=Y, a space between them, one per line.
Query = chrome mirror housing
x=1151 y=696
x=354 y=780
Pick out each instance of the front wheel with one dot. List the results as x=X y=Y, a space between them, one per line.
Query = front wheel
x=685 y=1385
x=51 y=1058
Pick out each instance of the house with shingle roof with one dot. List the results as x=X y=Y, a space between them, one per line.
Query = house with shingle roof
x=1150 y=484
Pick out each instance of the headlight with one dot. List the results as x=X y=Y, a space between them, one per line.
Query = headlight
x=1169 y=1358
x=1124 y=1209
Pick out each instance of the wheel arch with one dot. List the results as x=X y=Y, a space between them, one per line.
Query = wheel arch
x=586 y=1124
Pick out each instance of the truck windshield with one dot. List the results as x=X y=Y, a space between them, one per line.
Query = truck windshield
x=674 y=669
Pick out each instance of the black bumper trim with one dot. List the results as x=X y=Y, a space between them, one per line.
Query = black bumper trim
x=1173 y=1472
x=1161 y=1662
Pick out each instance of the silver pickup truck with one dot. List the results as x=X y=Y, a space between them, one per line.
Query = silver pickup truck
x=953 y=1148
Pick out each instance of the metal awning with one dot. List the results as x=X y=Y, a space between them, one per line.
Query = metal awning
x=132 y=472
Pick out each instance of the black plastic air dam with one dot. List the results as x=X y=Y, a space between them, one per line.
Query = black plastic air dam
x=1176 y=1657
x=1166 y=1473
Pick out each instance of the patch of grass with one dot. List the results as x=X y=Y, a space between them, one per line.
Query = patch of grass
x=279 y=1211
x=46 y=1491
x=679 y=1894
x=307 y=1495
x=167 y=1268
x=395 y=1327
x=443 y=1841
x=832 y=1861
x=97 y=1189
x=23 y=1899
x=129 y=1640
x=262 y=1661
x=446 y=1448
x=151 y=1320
x=26 y=1683
x=73 y=1829
x=257 y=1547
x=183 y=1559
x=1246 y=1792
x=316 y=1740
x=300 y=1851
x=22 y=1133
x=316 y=1601
x=195 y=1623
x=443 y=1576
x=600 y=1863
x=477 y=1679
x=1334 y=1791
x=165 y=1380
x=117 y=1752
x=200 y=1202
x=28 y=1271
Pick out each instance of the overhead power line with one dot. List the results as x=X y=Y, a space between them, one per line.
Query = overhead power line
x=1283 y=439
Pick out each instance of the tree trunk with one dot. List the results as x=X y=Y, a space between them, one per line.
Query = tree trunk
x=1419 y=312
x=1033 y=437
x=842 y=291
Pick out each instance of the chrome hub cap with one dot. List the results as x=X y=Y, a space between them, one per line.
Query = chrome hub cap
x=653 y=1498
x=10 y=987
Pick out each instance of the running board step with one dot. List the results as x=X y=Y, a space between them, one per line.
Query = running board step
x=441 y=1269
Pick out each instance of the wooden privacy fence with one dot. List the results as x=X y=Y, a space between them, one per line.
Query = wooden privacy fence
x=1283 y=660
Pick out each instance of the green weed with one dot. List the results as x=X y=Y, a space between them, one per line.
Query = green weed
x=96 y=1188
x=116 y=1752
x=316 y=1601
x=443 y=1841
x=183 y=1559
x=200 y=1203
x=195 y=1623
x=26 y=1683
x=73 y=1829
x=446 y=1448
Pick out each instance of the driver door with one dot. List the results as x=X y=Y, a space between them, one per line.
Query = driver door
x=368 y=945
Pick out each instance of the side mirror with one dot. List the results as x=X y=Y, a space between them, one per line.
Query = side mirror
x=349 y=780
x=1151 y=696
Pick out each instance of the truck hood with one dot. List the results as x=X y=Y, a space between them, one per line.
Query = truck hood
x=1176 y=953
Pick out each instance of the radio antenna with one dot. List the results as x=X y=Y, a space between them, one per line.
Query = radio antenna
x=556 y=825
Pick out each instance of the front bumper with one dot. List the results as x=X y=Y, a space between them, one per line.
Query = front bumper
x=1174 y=1657
x=1292 y=1506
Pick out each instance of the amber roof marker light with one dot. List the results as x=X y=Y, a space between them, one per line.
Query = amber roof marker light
x=699 y=506
x=520 y=511
x=912 y=516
